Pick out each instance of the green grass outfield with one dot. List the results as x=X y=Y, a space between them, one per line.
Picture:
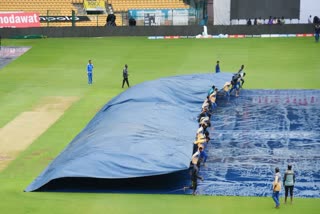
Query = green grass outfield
x=57 y=67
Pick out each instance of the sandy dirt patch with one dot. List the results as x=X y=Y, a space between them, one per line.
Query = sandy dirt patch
x=19 y=133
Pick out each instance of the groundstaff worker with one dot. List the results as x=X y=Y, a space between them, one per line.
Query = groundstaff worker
x=276 y=186
x=125 y=76
x=288 y=182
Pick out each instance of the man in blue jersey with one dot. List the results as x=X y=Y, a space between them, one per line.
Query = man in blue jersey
x=89 y=72
x=218 y=67
x=288 y=182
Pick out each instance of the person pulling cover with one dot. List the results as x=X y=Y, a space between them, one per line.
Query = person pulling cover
x=237 y=81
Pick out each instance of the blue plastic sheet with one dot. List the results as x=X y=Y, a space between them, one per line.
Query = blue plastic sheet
x=258 y=131
x=141 y=141
x=145 y=131
x=10 y=53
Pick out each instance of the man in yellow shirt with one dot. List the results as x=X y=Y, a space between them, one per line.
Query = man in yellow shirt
x=276 y=186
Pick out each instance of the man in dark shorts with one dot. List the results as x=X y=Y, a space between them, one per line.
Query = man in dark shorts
x=288 y=182
x=194 y=178
x=125 y=76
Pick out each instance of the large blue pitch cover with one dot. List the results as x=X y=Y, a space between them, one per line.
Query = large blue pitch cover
x=146 y=130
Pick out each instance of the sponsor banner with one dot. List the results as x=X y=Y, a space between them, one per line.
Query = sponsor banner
x=232 y=36
x=149 y=17
x=63 y=18
x=94 y=5
x=19 y=20
x=304 y=35
x=224 y=36
x=10 y=12
x=179 y=17
x=203 y=37
x=172 y=37
x=236 y=36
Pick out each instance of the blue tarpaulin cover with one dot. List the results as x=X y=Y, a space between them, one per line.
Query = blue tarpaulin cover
x=258 y=131
x=146 y=130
